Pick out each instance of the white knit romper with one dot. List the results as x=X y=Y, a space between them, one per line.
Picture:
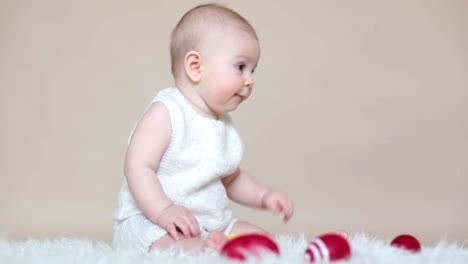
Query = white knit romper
x=201 y=152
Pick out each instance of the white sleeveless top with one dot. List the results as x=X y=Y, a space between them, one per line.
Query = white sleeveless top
x=201 y=152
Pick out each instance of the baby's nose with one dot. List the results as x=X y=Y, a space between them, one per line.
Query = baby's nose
x=249 y=82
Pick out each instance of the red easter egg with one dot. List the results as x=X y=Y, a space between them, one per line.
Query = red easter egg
x=328 y=247
x=406 y=242
x=243 y=246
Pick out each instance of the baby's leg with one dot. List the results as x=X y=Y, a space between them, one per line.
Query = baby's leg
x=214 y=241
x=242 y=227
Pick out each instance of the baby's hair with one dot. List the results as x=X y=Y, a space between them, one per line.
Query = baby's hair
x=197 y=22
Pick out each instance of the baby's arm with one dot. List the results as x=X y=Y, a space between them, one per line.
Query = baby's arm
x=147 y=146
x=243 y=189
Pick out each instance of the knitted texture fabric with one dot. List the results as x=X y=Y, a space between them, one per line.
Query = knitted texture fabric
x=201 y=152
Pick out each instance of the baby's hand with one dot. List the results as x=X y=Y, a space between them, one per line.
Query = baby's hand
x=278 y=203
x=176 y=219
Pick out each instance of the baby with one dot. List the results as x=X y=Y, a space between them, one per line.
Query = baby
x=182 y=162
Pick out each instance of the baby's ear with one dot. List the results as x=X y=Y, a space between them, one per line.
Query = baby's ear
x=192 y=65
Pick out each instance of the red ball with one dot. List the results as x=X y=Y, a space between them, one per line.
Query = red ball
x=328 y=247
x=243 y=246
x=406 y=242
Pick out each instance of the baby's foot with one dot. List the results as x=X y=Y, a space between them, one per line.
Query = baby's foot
x=216 y=241
x=343 y=234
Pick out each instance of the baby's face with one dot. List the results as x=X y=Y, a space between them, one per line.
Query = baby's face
x=228 y=63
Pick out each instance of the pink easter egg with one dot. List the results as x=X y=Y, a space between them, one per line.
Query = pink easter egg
x=239 y=248
x=328 y=247
x=406 y=242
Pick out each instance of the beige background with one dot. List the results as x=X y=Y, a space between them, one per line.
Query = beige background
x=359 y=112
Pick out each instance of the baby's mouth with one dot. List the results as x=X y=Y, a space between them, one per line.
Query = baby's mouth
x=242 y=97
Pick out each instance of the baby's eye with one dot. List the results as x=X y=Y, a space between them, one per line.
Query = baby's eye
x=240 y=67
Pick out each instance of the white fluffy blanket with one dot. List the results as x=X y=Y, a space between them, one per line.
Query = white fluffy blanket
x=364 y=250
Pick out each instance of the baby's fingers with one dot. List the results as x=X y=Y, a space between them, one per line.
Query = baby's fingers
x=288 y=212
x=172 y=230
x=184 y=228
x=279 y=207
x=194 y=227
x=283 y=206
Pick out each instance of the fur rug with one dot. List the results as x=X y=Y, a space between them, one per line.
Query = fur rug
x=364 y=250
